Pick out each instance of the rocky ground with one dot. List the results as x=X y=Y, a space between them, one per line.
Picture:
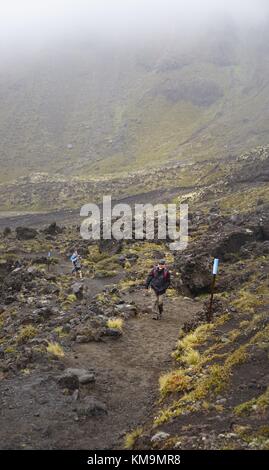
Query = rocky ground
x=79 y=361
x=83 y=365
x=216 y=395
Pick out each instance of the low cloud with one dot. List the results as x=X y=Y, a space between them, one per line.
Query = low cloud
x=37 y=23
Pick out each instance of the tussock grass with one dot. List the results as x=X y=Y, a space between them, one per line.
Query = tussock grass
x=70 y=298
x=191 y=357
x=175 y=381
x=206 y=383
x=197 y=337
x=26 y=333
x=115 y=323
x=10 y=350
x=247 y=301
x=188 y=342
x=125 y=284
x=104 y=273
x=108 y=264
x=171 y=293
x=60 y=332
x=131 y=438
x=257 y=405
x=55 y=349
x=95 y=255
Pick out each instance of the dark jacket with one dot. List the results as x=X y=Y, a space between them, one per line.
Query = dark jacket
x=159 y=280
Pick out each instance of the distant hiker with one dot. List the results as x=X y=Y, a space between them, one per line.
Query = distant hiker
x=158 y=281
x=49 y=260
x=75 y=258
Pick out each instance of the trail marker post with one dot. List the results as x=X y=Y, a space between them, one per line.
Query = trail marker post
x=214 y=272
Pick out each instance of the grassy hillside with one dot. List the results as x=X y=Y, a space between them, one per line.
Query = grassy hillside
x=95 y=109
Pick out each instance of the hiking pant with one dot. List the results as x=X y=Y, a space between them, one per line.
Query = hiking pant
x=157 y=302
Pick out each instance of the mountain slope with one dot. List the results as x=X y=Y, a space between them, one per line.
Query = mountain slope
x=93 y=108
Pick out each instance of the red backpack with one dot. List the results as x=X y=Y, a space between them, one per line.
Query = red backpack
x=166 y=272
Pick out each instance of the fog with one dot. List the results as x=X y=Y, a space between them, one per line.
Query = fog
x=33 y=24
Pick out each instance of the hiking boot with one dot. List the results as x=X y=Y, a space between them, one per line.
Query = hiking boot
x=160 y=311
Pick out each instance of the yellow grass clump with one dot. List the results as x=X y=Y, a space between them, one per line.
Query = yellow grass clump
x=55 y=349
x=115 y=323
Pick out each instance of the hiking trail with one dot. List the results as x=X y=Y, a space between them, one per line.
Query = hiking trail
x=127 y=371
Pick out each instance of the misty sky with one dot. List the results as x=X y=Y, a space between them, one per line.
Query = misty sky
x=40 y=22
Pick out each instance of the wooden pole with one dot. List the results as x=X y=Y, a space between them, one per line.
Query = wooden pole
x=209 y=314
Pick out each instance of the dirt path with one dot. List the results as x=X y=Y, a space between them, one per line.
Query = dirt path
x=36 y=415
x=128 y=370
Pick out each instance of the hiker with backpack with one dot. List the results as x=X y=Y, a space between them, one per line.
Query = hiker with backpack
x=158 y=281
x=75 y=259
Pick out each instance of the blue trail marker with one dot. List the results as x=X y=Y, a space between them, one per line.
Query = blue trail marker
x=214 y=272
x=215 y=266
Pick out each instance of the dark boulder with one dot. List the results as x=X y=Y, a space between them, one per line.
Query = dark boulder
x=6 y=232
x=50 y=289
x=87 y=334
x=112 y=247
x=45 y=312
x=16 y=280
x=40 y=260
x=53 y=229
x=219 y=307
x=112 y=332
x=77 y=289
x=84 y=376
x=265 y=230
x=232 y=242
x=26 y=233
x=69 y=381
x=122 y=260
x=5 y=268
x=92 y=407
x=195 y=274
x=2 y=309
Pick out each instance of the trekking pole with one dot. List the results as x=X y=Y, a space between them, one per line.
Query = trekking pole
x=214 y=272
